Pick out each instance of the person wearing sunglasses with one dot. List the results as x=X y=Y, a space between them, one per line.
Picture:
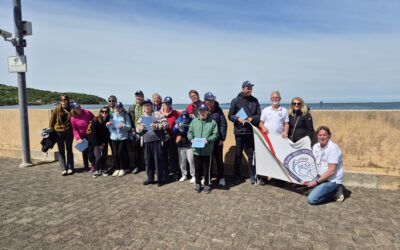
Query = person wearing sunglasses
x=60 y=122
x=300 y=120
x=99 y=138
x=112 y=100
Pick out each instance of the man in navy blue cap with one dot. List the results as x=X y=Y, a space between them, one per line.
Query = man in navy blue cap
x=135 y=111
x=218 y=116
x=245 y=110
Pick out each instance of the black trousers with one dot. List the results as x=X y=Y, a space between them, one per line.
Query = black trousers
x=202 y=166
x=100 y=156
x=218 y=156
x=138 y=154
x=87 y=154
x=171 y=157
x=64 y=142
x=244 y=142
x=154 y=160
x=120 y=154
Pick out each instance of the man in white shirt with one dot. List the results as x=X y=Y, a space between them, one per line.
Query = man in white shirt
x=275 y=118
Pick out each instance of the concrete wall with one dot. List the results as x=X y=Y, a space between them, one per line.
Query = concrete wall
x=369 y=139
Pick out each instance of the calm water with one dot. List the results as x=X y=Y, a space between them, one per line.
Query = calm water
x=313 y=106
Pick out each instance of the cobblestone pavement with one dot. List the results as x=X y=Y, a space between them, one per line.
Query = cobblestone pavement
x=41 y=209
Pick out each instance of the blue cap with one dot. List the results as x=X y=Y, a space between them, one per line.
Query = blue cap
x=203 y=106
x=167 y=100
x=75 y=105
x=147 y=101
x=139 y=93
x=247 y=84
x=209 y=96
x=119 y=105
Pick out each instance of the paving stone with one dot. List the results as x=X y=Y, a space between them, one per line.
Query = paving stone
x=40 y=209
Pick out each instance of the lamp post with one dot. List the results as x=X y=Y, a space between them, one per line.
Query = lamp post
x=18 y=65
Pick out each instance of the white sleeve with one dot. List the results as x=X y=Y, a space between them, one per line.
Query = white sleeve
x=334 y=155
x=263 y=117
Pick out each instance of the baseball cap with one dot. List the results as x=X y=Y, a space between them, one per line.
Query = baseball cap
x=139 y=93
x=167 y=100
x=203 y=106
x=75 y=105
x=209 y=96
x=247 y=84
x=147 y=101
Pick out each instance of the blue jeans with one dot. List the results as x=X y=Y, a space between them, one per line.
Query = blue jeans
x=322 y=192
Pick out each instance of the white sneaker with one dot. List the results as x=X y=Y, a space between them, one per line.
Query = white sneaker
x=64 y=173
x=183 y=178
x=193 y=180
x=121 y=173
x=339 y=194
x=222 y=182
x=70 y=171
x=116 y=173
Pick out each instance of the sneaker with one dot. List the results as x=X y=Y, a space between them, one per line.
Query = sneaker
x=121 y=173
x=70 y=171
x=339 y=196
x=116 y=173
x=207 y=189
x=135 y=171
x=183 y=178
x=64 y=173
x=92 y=169
x=197 y=188
x=104 y=173
x=193 y=180
x=148 y=182
x=96 y=173
x=222 y=182
x=261 y=181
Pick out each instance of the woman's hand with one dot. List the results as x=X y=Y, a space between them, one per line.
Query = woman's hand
x=121 y=125
x=79 y=141
x=109 y=123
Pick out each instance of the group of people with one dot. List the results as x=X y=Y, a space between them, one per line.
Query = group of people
x=170 y=142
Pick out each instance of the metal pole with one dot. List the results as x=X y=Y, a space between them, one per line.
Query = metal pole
x=23 y=109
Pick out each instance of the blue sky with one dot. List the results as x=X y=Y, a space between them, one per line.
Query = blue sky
x=336 y=51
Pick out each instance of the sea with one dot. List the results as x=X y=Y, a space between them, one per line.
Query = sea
x=225 y=106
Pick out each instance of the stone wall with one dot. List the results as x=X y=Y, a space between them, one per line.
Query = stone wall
x=369 y=139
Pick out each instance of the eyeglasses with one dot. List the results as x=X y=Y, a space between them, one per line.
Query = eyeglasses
x=104 y=111
x=296 y=103
x=112 y=100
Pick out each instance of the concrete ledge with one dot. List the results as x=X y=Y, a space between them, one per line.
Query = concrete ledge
x=367 y=180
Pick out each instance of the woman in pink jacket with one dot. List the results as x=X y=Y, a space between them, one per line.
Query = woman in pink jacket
x=80 y=121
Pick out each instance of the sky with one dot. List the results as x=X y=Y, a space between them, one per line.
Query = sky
x=334 y=51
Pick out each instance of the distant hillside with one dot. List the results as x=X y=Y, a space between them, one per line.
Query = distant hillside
x=9 y=96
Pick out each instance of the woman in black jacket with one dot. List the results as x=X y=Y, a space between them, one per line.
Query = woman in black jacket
x=100 y=136
x=300 y=121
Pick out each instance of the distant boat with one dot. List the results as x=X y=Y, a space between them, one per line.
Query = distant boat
x=321 y=102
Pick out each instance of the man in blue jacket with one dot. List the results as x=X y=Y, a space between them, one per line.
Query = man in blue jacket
x=242 y=128
x=218 y=116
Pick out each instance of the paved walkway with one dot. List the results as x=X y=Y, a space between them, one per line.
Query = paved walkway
x=41 y=209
